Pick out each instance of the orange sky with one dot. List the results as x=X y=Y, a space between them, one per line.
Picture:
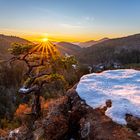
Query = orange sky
x=38 y=36
x=73 y=20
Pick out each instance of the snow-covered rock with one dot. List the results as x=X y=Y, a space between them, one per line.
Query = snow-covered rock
x=90 y=69
x=121 y=86
x=23 y=90
x=13 y=133
x=74 y=66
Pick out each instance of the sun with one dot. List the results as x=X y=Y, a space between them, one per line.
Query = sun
x=45 y=49
x=45 y=39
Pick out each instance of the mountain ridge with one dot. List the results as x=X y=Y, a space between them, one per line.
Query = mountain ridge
x=110 y=49
x=68 y=48
x=91 y=42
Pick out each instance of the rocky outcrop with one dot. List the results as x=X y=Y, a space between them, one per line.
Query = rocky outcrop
x=69 y=117
x=53 y=124
x=133 y=123
x=95 y=125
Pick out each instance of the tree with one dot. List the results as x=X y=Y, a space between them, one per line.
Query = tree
x=44 y=64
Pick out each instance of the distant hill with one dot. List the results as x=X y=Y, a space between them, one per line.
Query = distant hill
x=124 y=50
x=91 y=42
x=68 y=48
x=127 y=48
x=6 y=42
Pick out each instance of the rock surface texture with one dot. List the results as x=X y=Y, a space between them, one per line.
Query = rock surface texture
x=69 y=117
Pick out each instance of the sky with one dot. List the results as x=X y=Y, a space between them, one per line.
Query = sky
x=69 y=20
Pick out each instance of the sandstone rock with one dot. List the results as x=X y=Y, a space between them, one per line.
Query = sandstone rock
x=133 y=122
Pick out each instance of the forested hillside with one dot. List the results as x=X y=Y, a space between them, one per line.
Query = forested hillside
x=124 y=50
x=68 y=48
x=6 y=43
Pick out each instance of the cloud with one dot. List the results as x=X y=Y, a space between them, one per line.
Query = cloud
x=89 y=18
x=70 y=26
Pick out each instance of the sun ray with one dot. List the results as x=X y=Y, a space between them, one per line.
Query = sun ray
x=40 y=47
x=45 y=50
x=50 y=49
x=53 y=48
x=42 y=52
x=36 y=47
x=47 y=53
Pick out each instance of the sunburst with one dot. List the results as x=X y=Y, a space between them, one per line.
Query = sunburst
x=45 y=49
x=45 y=39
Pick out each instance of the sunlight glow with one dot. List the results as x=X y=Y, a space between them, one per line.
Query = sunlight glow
x=45 y=50
x=45 y=39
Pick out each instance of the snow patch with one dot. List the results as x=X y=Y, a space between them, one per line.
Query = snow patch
x=14 y=132
x=74 y=66
x=23 y=90
x=121 y=86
